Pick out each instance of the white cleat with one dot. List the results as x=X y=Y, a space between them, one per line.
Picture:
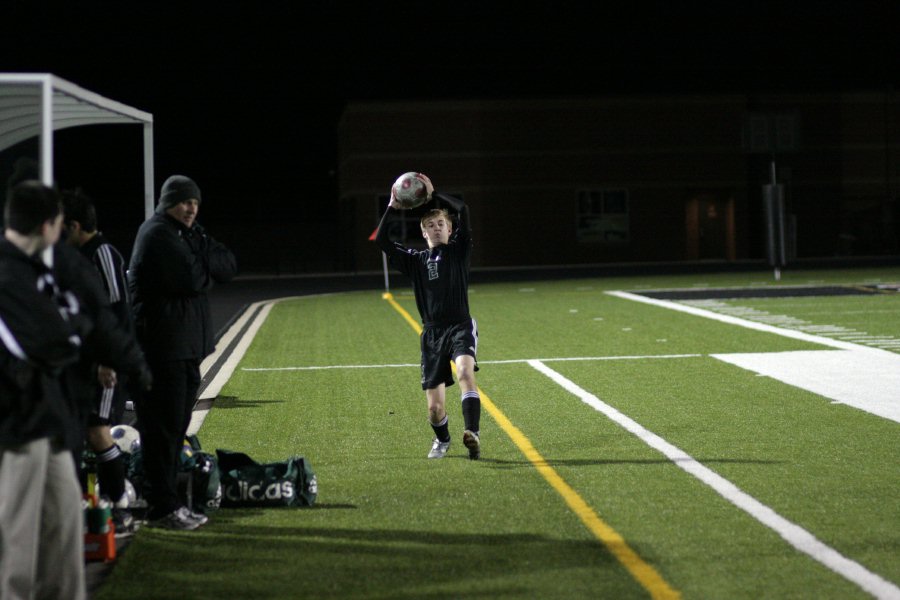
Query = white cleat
x=438 y=448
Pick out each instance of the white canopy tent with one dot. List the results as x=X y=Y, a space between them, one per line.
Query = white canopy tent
x=37 y=104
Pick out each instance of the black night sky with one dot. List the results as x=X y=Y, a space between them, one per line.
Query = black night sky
x=246 y=96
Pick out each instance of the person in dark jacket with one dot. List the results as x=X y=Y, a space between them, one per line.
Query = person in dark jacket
x=174 y=263
x=41 y=331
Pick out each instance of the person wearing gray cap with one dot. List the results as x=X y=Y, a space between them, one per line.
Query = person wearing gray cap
x=173 y=264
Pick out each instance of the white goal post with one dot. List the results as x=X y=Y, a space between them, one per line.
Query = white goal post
x=37 y=104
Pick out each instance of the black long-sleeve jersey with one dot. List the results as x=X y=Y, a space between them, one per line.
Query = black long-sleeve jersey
x=439 y=275
x=111 y=266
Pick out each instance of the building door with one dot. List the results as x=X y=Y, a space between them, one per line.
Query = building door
x=710 y=227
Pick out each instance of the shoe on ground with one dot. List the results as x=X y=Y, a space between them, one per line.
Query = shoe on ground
x=179 y=519
x=123 y=522
x=438 y=448
x=473 y=443
x=199 y=517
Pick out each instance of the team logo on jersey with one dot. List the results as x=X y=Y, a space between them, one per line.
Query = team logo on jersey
x=432 y=266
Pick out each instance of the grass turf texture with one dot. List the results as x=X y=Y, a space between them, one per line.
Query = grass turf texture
x=390 y=524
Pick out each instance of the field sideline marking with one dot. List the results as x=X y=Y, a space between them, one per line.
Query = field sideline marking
x=481 y=362
x=217 y=368
x=229 y=351
x=795 y=535
x=645 y=574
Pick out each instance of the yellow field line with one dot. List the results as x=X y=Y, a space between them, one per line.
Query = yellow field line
x=646 y=575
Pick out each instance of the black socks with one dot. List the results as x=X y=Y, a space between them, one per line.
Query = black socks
x=471 y=409
x=111 y=473
x=442 y=429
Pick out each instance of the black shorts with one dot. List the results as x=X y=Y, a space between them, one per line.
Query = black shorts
x=109 y=406
x=441 y=346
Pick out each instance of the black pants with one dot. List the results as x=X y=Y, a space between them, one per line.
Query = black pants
x=164 y=414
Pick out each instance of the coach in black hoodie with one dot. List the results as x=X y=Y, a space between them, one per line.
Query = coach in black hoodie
x=174 y=263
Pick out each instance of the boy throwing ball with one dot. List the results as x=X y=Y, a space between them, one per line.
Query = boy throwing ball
x=440 y=281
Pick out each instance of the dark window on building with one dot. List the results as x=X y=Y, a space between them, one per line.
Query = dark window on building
x=602 y=216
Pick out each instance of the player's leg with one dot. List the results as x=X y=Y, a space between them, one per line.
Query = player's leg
x=465 y=347
x=439 y=420
x=110 y=462
x=436 y=397
x=111 y=475
x=471 y=404
x=436 y=376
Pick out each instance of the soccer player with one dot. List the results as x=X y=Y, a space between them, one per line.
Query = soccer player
x=109 y=392
x=440 y=281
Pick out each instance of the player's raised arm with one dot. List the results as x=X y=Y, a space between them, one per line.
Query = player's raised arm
x=381 y=237
x=463 y=230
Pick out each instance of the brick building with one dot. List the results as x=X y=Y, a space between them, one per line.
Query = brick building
x=631 y=178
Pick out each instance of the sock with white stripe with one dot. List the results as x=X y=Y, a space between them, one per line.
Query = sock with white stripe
x=442 y=429
x=111 y=473
x=471 y=409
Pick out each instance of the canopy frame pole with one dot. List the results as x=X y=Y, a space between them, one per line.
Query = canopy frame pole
x=148 y=170
x=46 y=140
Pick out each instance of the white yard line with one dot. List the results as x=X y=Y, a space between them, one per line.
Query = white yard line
x=329 y=367
x=795 y=535
x=576 y=358
x=480 y=362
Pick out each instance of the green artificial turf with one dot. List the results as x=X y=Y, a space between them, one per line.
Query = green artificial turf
x=388 y=523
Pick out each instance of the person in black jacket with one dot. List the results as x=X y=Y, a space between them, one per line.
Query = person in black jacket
x=41 y=333
x=174 y=263
x=440 y=281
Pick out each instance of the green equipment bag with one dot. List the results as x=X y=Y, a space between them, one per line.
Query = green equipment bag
x=198 y=479
x=246 y=482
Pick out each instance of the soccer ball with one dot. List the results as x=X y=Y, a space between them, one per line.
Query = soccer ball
x=126 y=438
x=410 y=191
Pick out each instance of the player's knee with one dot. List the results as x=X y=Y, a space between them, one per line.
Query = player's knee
x=436 y=412
x=99 y=437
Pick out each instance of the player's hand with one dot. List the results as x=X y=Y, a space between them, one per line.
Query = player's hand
x=428 y=186
x=106 y=376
